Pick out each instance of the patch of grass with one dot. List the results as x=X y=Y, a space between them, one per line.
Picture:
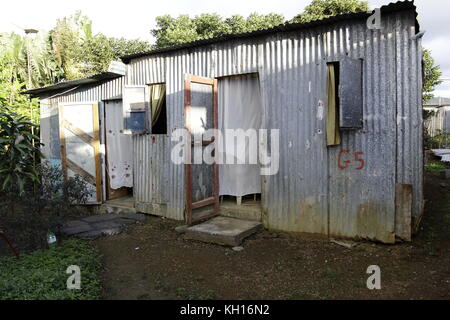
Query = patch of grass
x=41 y=275
x=435 y=167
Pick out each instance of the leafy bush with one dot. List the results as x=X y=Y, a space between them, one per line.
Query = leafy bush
x=56 y=195
x=441 y=141
x=435 y=167
x=44 y=208
x=19 y=151
x=41 y=275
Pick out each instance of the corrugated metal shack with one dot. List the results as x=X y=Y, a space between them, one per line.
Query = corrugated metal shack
x=367 y=186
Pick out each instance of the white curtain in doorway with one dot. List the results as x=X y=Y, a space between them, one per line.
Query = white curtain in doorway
x=118 y=147
x=240 y=107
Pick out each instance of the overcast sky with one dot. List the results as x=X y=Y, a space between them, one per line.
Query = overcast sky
x=135 y=18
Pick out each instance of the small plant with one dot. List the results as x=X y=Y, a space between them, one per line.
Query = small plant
x=45 y=208
x=41 y=275
x=19 y=151
x=56 y=194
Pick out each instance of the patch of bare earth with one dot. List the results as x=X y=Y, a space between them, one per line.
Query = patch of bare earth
x=152 y=261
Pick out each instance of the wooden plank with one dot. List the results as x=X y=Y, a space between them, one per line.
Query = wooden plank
x=216 y=166
x=187 y=104
x=205 y=215
x=203 y=203
x=96 y=145
x=78 y=132
x=83 y=173
x=403 y=208
x=201 y=80
x=188 y=167
x=117 y=193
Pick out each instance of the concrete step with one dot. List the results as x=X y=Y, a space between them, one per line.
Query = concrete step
x=248 y=210
x=116 y=208
x=223 y=230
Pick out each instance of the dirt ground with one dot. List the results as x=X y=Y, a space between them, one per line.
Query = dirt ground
x=152 y=261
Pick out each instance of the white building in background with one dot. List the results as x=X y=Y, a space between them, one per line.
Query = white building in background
x=439 y=122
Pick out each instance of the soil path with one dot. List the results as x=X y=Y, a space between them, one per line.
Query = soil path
x=152 y=261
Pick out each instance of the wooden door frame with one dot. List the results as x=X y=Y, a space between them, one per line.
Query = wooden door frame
x=93 y=141
x=188 y=167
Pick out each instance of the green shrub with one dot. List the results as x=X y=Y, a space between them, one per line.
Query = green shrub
x=43 y=208
x=41 y=275
x=435 y=167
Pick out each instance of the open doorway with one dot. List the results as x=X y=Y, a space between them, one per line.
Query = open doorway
x=230 y=104
x=119 y=156
x=240 y=108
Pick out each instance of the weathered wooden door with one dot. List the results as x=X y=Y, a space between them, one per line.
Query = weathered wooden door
x=202 y=179
x=80 y=145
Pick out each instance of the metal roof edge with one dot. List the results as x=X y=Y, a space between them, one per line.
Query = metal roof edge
x=97 y=78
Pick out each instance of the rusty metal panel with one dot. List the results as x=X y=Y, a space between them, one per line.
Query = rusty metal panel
x=403 y=203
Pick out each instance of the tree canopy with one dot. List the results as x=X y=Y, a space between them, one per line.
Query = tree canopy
x=320 y=9
x=432 y=75
x=80 y=53
x=69 y=51
x=171 y=31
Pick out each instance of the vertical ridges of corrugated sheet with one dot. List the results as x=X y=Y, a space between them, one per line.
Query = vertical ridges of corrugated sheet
x=296 y=198
x=95 y=93
x=150 y=163
x=362 y=202
x=310 y=193
x=146 y=70
x=409 y=111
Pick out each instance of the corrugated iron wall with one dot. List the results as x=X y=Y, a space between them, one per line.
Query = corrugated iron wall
x=151 y=190
x=311 y=193
x=106 y=90
x=409 y=111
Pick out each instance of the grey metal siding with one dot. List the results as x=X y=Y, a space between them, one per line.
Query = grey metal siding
x=409 y=110
x=310 y=193
x=362 y=202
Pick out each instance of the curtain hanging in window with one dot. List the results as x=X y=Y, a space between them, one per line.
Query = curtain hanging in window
x=333 y=134
x=157 y=98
